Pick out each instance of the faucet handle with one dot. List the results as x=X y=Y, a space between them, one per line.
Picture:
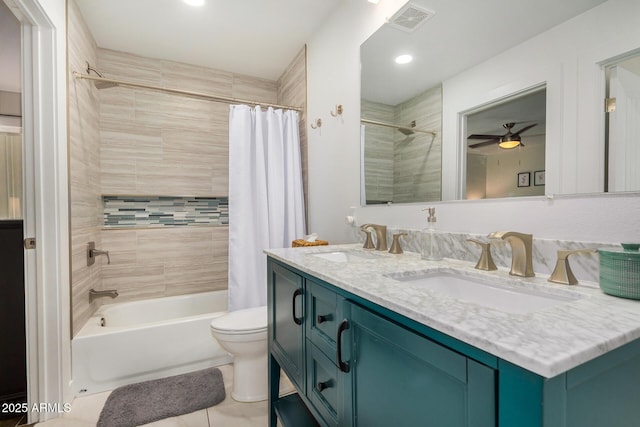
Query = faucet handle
x=562 y=273
x=368 y=242
x=395 y=245
x=486 y=261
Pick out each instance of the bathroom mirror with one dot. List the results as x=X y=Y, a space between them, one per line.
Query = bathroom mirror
x=445 y=40
x=505 y=147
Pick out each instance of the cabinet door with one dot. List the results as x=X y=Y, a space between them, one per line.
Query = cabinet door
x=399 y=378
x=286 y=322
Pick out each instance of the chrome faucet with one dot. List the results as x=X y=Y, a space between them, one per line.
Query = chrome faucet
x=381 y=235
x=521 y=251
x=93 y=294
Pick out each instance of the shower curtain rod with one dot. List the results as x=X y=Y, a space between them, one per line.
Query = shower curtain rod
x=391 y=125
x=188 y=93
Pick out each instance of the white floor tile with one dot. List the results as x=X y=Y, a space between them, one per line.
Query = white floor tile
x=66 y=422
x=87 y=408
x=194 y=419
x=237 y=414
x=85 y=411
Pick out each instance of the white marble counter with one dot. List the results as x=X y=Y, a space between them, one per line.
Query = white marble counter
x=547 y=342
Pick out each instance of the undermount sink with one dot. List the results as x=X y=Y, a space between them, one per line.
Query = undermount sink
x=507 y=298
x=345 y=256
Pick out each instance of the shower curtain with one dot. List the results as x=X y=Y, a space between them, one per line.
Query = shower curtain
x=10 y=175
x=266 y=204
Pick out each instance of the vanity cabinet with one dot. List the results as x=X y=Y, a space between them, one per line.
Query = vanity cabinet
x=362 y=369
x=358 y=363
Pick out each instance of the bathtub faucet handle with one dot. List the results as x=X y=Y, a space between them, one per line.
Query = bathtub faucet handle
x=92 y=253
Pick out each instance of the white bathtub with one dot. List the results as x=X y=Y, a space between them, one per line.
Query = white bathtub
x=149 y=339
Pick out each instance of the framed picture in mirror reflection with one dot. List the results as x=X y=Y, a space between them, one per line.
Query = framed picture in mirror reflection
x=524 y=179
x=538 y=178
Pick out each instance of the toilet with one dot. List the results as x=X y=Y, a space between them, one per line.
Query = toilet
x=243 y=333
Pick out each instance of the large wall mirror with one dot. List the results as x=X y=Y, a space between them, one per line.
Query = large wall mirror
x=506 y=147
x=438 y=72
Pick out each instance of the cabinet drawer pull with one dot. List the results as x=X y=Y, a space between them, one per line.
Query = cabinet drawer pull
x=296 y=293
x=344 y=366
x=323 y=318
x=323 y=385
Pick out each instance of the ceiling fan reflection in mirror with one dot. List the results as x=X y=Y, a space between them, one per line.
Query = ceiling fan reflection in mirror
x=506 y=141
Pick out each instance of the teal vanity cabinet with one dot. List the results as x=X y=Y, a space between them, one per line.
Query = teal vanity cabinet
x=357 y=363
x=363 y=369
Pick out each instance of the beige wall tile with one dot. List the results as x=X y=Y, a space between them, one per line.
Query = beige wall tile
x=139 y=142
x=84 y=166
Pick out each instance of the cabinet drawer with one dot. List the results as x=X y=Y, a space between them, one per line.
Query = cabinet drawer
x=324 y=317
x=322 y=384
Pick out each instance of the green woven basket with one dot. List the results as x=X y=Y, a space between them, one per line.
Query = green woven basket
x=620 y=271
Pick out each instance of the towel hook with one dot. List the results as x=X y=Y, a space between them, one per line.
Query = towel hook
x=338 y=111
x=317 y=124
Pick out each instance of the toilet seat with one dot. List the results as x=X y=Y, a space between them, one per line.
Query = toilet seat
x=245 y=321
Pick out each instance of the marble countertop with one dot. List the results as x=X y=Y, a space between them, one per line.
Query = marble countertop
x=547 y=342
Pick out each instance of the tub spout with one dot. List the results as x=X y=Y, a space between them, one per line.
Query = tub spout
x=93 y=294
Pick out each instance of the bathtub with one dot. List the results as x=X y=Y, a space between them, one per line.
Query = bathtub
x=143 y=340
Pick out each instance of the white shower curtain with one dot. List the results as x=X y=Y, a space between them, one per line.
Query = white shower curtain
x=266 y=204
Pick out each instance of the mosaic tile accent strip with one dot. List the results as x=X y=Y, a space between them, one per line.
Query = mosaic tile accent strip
x=154 y=211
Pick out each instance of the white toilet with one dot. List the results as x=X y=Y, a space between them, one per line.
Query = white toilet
x=243 y=333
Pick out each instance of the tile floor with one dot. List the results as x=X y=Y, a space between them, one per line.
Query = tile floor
x=85 y=411
x=13 y=422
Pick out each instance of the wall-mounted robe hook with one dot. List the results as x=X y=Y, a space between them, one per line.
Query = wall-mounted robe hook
x=317 y=124
x=338 y=111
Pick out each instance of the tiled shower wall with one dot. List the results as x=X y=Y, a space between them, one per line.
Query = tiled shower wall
x=84 y=169
x=378 y=155
x=417 y=158
x=292 y=90
x=401 y=168
x=156 y=144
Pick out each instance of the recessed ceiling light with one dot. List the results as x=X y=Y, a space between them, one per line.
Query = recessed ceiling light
x=404 y=59
x=194 y=2
x=374 y=1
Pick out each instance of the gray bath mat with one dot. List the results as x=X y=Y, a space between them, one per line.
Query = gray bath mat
x=145 y=402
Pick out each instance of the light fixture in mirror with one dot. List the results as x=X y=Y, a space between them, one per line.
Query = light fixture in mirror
x=494 y=170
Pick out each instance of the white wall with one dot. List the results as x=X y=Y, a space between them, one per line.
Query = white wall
x=574 y=129
x=503 y=168
x=46 y=205
x=333 y=77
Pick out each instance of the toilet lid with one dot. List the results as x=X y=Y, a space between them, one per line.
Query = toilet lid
x=248 y=319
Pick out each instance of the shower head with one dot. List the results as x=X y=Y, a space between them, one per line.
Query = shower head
x=100 y=85
x=408 y=129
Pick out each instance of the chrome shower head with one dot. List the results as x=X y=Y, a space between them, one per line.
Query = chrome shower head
x=100 y=85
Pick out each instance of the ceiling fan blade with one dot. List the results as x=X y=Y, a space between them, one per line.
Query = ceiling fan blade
x=524 y=129
x=483 y=144
x=481 y=136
